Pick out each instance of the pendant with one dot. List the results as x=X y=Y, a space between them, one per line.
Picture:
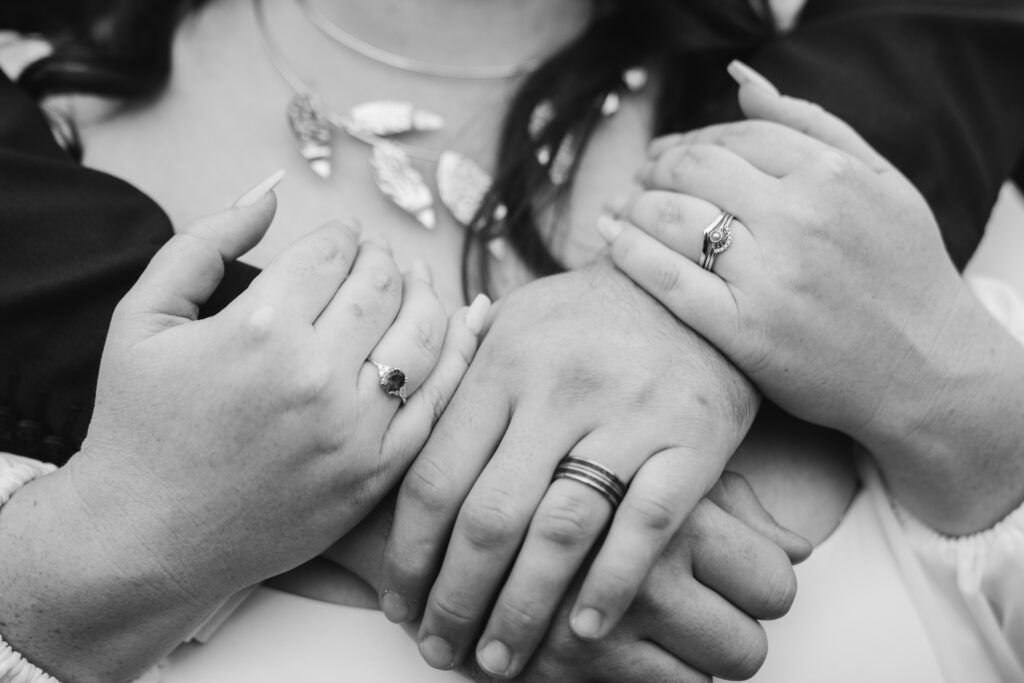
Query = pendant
x=401 y=183
x=462 y=185
x=391 y=117
x=313 y=132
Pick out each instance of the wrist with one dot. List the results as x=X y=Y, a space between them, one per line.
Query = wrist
x=949 y=437
x=78 y=599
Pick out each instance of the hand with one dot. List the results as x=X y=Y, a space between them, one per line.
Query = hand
x=226 y=450
x=836 y=285
x=581 y=363
x=695 y=616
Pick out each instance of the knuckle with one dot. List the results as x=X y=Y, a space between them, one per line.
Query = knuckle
x=428 y=337
x=778 y=587
x=566 y=522
x=834 y=165
x=430 y=485
x=449 y=610
x=746 y=656
x=689 y=160
x=518 y=620
x=385 y=281
x=436 y=398
x=666 y=276
x=490 y=522
x=653 y=512
x=670 y=213
x=612 y=585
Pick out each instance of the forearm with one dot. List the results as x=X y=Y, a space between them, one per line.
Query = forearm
x=75 y=600
x=951 y=444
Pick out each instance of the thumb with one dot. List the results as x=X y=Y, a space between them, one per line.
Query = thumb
x=733 y=494
x=759 y=99
x=185 y=272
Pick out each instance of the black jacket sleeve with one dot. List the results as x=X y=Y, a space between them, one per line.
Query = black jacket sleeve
x=72 y=241
x=937 y=86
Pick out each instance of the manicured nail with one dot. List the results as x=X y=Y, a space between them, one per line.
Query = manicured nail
x=476 y=314
x=744 y=75
x=608 y=228
x=437 y=652
x=260 y=191
x=587 y=623
x=495 y=658
x=421 y=270
x=394 y=607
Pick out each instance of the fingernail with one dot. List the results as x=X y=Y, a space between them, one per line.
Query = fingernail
x=476 y=314
x=495 y=658
x=616 y=205
x=587 y=623
x=260 y=191
x=394 y=607
x=437 y=652
x=608 y=228
x=744 y=75
x=421 y=270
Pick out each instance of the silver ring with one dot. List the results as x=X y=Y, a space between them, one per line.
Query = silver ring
x=717 y=238
x=592 y=474
x=392 y=381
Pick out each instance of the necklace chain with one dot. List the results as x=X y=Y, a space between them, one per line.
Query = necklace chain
x=403 y=63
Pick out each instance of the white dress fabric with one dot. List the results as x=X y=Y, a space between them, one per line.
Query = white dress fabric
x=884 y=599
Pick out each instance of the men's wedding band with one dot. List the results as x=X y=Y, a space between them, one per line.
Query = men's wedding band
x=392 y=381
x=592 y=474
x=717 y=238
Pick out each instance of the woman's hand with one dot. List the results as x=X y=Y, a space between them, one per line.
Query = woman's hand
x=235 y=447
x=836 y=296
x=582 y=363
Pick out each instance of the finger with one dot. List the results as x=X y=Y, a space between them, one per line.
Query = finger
x=433 y=491
x=567 y=522
x=733 y=494
x=679 y=222
x=665 y=489
x=303 y=279
x=489 y=531
x=704 y=300
x=411 y=347
x=810 y=119
x=364 y=307
x=742 y=566
x=412 y=425
x=700 y=627
x=184 y=272
x=629 y=661
x=713 y=174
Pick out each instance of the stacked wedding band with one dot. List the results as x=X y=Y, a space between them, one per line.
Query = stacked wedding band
x=594 y=475
x=717 y=238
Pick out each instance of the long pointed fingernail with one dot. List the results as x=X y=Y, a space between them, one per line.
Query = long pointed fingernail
x=394 y=607
x=587 y=623
x=608 y=228
x=437 y=652
x=495 y=658
x=260 y=191
x=476 y=314
x=744 y=75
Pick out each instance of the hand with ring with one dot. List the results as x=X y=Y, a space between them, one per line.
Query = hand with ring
x=582 y=364
x=835 y=294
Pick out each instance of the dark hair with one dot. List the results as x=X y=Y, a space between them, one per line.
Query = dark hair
x=122 y=48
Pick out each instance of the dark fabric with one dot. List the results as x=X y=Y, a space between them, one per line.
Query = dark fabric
x=72 y=241
x=935 y=85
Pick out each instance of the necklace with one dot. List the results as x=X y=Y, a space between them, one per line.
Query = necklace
x=462 y=184
x=340 y=35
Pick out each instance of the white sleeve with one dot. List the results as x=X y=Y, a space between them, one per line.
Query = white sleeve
x=981 y=577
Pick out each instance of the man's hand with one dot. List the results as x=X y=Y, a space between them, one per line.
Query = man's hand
x=582 y=363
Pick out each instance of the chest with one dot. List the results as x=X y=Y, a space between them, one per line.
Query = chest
x=220 y=127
